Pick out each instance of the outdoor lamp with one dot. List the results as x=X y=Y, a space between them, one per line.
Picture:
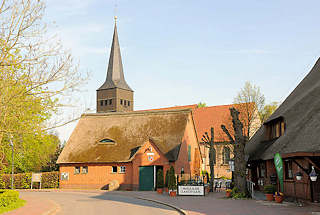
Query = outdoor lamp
x=313 y=175
x=231 y=164
x=298 y=176
x=182 y=171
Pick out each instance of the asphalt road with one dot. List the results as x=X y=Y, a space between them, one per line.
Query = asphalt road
x=100 y=203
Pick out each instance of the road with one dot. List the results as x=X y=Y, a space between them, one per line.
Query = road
x=79 y=203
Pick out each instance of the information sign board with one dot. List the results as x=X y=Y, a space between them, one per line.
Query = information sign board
x=190 y=190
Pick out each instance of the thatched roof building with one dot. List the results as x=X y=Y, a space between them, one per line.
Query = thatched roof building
x=301 y=114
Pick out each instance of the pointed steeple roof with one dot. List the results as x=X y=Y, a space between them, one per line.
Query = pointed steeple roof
x=115 y=76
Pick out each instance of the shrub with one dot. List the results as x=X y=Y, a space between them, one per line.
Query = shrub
x=269 y=189
x=172 y=183
x=160 y=179
x=236 y=194
x=166 y=178
x=23 y=180
x=8 y=197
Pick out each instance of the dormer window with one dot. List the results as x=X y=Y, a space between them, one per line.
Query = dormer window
x=275 y=128
x=106 y=141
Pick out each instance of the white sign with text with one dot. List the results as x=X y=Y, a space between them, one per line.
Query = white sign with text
x=191 y=190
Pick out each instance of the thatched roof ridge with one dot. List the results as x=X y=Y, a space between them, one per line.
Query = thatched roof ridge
x=301 y=114
x=129 y=131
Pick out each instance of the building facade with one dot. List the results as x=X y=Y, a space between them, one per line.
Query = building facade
x=127 y=149
x=293 y=132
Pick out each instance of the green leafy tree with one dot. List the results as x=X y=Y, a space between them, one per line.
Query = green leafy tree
x=267 y=111
x=37 y=76
x=250 y=102
x=52 y=164
x=202 y=104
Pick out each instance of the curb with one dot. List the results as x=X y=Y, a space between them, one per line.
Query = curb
x=163 y=203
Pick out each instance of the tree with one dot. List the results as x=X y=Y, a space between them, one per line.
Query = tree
x=238 y=141
x=172 y=183
x=166 y=179
x=202 y=104
x=36 y=74
x=160 y=182
x=209 y=143
x=52 y=164
x=249 y=102
x=267 y=111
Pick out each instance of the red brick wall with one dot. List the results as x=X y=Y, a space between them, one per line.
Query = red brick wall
x=98 y=176
x=141 y=159
x=189 y=138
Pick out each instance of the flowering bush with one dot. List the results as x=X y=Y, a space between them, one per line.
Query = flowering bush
x=278 y=194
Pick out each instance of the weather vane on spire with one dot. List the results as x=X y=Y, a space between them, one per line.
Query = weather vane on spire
x=115 y=11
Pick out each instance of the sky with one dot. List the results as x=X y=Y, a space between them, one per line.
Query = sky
x=181 y=52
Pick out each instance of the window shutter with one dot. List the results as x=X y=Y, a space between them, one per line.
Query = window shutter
x=189 y=153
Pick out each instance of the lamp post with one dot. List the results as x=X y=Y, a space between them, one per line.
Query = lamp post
x=12 y=166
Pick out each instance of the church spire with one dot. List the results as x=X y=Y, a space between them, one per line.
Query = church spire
x=115 y=76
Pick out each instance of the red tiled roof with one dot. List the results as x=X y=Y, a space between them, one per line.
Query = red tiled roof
x=174 y=108
x=213 y=116
x=207 y=117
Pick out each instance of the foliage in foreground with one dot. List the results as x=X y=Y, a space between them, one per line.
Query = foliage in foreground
x=235 y=194
x=9 y=200
x=18 y=204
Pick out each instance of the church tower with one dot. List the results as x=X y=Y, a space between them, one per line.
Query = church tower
x=115 y=95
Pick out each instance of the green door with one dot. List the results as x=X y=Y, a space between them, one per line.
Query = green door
x=146 y=178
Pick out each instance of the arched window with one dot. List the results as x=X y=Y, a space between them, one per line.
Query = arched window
x=214 y=156
x=226 y=155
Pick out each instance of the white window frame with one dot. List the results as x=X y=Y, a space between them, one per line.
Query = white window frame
x=83 y=168
x=122 y=169
x=76 y=172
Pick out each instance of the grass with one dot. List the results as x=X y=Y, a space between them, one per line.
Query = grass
x=19 y=203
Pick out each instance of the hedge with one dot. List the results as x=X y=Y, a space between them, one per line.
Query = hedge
x=23 y=180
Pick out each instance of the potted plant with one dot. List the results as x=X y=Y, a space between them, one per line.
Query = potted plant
x=278 y=197
x=166 y=181
x=160 y=181
x=172 y=183
x=269 y=191
x=228 y=193
x=299 y=176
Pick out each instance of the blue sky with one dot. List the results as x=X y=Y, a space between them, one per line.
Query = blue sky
x=179 y=52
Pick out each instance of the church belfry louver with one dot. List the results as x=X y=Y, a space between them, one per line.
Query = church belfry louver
x=115 y=95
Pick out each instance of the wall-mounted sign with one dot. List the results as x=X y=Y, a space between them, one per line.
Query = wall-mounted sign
x=188 y=190
x=150 y=156
x=64 y=176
